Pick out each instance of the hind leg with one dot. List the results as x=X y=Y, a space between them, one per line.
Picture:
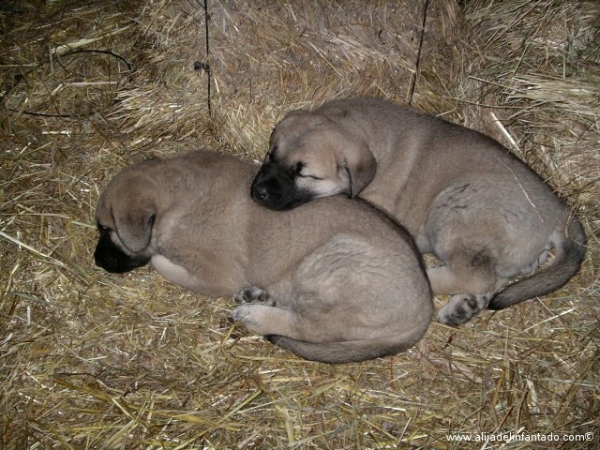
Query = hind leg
x=256 y=310
x=259 y=313
x=304 y=316
x=265 y=320
x=472 y=280
x=463 y=307
x=270 y=320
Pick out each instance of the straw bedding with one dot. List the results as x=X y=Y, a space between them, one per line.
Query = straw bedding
x=90 y=360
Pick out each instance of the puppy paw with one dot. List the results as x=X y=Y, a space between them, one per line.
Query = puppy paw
x=461 y=308
x=250 y=316
x=238 y=314
x=253 y=295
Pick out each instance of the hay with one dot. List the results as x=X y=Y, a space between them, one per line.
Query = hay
x=92 y=360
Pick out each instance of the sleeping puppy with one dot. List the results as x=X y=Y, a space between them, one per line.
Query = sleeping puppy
x=337 y=281
x=464 y=197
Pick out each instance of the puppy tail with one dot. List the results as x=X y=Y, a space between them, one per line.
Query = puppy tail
x=567 y=262
x=345 y=351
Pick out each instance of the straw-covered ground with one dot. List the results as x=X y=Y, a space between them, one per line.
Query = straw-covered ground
x=90 y=360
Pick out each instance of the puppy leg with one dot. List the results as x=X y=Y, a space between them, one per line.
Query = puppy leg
x=462 y=307
x=258 y=313
x=310 y=320
x=265 y=320
x=444 y=281
x=471 y=278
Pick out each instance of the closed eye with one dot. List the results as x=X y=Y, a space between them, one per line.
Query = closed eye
x=301 y=172
x=314 y=177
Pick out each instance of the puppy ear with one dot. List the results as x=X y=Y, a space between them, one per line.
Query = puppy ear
x=360 y=166
x=134 y=225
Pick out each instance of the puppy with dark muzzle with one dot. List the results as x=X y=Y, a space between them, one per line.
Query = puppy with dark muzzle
x=336 y=281
x=464 y=197
x=276 y=187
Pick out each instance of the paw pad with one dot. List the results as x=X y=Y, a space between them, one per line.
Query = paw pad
x=253 y=295
x=462 y=308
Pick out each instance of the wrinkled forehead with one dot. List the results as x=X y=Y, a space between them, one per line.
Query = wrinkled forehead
x=312 y=150
x=295 y=125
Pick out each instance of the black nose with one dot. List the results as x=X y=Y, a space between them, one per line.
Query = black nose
x=267 y=183
x=261 y=192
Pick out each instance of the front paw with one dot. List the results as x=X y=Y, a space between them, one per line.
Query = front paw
x=253 y=295
x=461 y=308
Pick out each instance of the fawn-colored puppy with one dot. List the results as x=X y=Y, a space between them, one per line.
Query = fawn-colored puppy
x=464 y=197
x=337 y=281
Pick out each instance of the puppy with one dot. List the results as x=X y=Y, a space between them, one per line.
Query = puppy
x=337 y=281
x=464 y=197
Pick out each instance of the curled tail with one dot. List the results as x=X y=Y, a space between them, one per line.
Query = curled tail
x=345 y=351
x=567 y=262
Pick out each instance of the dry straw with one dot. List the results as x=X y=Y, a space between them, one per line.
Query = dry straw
x=90 y=360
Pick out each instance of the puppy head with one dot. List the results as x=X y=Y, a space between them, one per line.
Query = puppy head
x=311 y=156
x=125 y=217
